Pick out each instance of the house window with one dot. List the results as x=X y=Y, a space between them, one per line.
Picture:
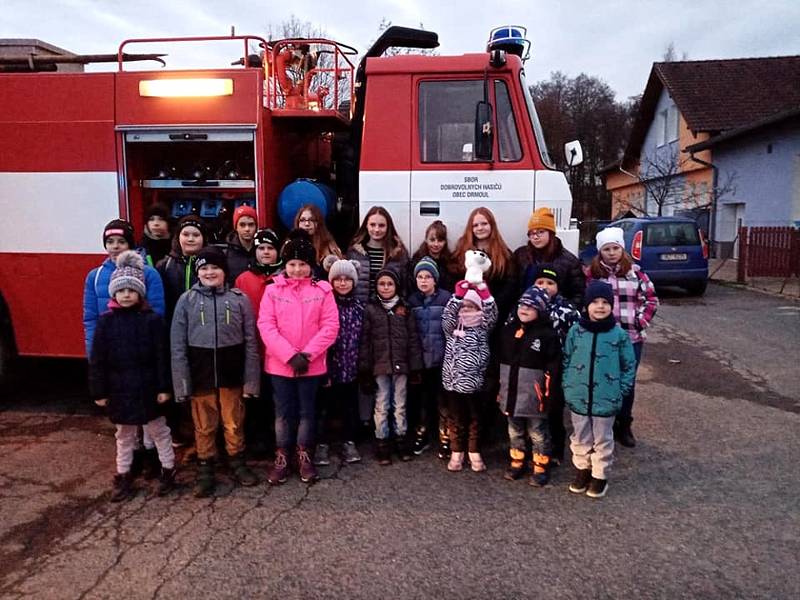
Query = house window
x=447 y=120
x=667 y=125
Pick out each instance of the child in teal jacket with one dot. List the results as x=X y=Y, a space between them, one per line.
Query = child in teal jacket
x=599 y=369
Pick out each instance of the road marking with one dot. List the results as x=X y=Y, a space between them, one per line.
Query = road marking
x=790 y=308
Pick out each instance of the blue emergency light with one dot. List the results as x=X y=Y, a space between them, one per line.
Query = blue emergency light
x=510 y=38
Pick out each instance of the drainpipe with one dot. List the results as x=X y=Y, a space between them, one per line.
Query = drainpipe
x=712 y=220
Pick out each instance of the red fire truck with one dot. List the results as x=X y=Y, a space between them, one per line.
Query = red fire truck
x=427 y=137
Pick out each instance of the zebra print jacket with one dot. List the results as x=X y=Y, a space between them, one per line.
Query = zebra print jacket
x=466 y=356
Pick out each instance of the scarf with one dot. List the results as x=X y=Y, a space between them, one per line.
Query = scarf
x=260 y=269
x=390 y=303
x=606 y=324
x=470 y=317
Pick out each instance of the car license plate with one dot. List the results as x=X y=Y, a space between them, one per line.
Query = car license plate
x=677 y=256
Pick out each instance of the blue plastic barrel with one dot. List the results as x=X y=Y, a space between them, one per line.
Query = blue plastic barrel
x=301 y=192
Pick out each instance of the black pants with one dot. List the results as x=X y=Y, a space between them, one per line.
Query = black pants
x=428 y=414
x=259 y=420
x=339 y=401
x=464 y=411
x=555 y=418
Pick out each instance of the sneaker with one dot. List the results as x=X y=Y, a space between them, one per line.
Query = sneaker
x=476 y=462
x=456 y=462
x=166 y=482
x=279 y=472
x=308 y=472
x=581 y=481
x=322 y=455
x=382 y=453
x=350 y=453
x=122 y=487
x=597 y=488
x=444 y=450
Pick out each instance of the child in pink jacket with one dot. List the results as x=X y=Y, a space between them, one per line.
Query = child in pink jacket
x=298 y=321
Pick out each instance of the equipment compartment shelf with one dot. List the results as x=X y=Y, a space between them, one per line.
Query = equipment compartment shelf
x=193 y=184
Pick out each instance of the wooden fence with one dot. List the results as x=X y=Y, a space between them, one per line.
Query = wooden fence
x=768 y=252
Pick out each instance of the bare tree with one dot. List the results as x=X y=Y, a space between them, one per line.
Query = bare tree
x=663 y=178
x=671 y=55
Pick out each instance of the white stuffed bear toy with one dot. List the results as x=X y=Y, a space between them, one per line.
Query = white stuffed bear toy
x=477 y=263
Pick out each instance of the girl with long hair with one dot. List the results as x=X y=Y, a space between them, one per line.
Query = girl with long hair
x=435 y=246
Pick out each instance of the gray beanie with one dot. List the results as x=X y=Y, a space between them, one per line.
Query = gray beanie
x=129 y=274
x=344 y=268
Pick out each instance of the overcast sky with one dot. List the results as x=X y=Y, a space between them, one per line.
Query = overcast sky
x=617 y=40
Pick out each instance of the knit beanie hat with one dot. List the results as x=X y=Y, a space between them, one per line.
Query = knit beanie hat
x=610 y=235
x=474 y=297
x=389 y=273
x=119 y=227
x=267 y=236
x=535 y=298
x=156 y=210
x=244 y=211
x=298 y=246
x=426 y=263
x=129 y=274
x=546 y=271
x=344 y=268
x=211 y=255
x=598 y=289
x=542 y=218
x=191 y=221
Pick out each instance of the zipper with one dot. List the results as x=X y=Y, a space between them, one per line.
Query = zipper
x=214 y=296
x=591 y=374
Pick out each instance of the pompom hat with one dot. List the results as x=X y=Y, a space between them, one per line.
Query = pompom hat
x=129 y=274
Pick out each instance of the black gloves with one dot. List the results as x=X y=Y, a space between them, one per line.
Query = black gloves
x=299 y=363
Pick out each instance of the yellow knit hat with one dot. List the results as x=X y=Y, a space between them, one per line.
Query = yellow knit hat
x=542 y=218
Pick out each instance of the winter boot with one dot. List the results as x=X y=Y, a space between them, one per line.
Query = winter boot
x=404 y=444
x=205 y=482
x=517 y=465
x=421 y=442
x=279 y=472
x=243 y=475
x=581 y=481
x=322 y=455
x=456 y=462
x=444 y=443
x=308 y=472
x=597 y=488
x=122 y=487
x=383 y=454
x=623 y=433
x=151 y=467
x=166 y=482
x=541 y=470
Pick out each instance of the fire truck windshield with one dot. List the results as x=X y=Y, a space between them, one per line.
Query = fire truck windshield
x=537 y=126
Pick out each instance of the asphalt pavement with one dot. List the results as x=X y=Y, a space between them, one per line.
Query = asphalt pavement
x=706 y=506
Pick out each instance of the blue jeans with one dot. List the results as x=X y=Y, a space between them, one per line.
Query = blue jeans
x=391 y=397
x=536 y=428
x=626 y=411
x=295 y=400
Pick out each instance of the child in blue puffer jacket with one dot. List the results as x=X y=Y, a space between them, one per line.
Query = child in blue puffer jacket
x=428 y=411
x=599 y=369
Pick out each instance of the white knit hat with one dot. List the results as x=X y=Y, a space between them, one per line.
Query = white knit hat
x=610 y=235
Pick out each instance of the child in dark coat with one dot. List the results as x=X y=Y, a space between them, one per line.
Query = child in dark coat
x=390 y=352
x=427 y=305
x=340 y=397
x=129 y=372
x=530 y=354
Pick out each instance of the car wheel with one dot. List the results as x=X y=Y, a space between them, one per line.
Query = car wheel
x=698 y=288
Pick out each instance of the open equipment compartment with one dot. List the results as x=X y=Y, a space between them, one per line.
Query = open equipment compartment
x=208 y=172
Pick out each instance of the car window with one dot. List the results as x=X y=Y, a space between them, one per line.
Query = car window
x=671 y=234
x=626 y=226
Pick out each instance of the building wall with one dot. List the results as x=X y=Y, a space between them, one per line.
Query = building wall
x=766 y=170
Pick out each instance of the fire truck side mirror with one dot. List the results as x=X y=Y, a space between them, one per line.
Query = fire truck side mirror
x=484 y=134
x=573 y=153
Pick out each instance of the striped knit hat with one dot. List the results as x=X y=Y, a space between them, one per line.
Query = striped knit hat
x=426 y=263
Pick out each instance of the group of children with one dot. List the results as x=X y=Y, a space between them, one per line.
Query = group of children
x=302 y=341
